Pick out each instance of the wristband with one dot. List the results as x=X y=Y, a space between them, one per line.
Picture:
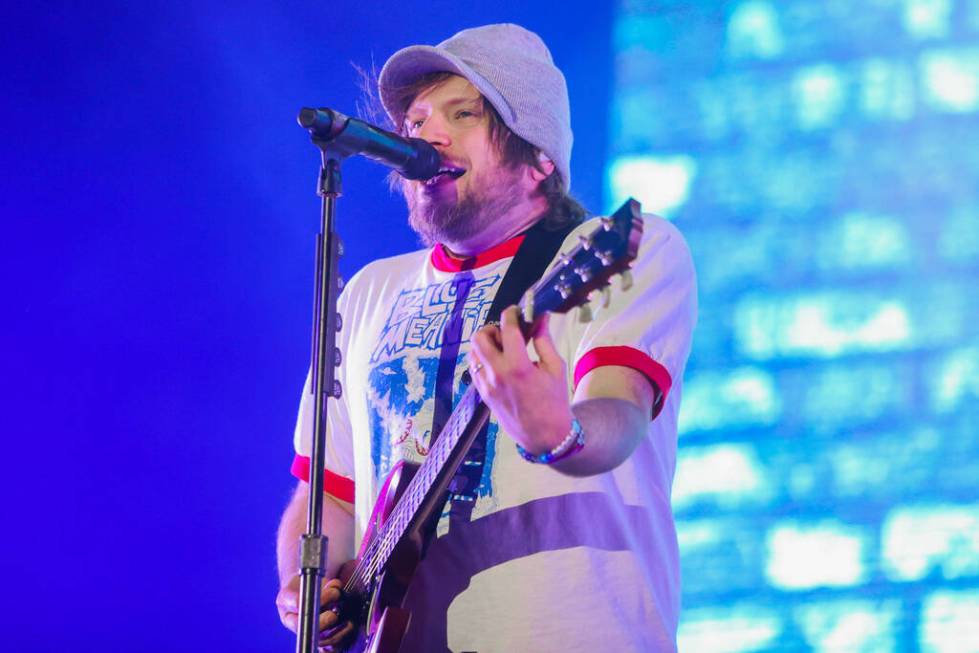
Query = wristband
x=572 y=443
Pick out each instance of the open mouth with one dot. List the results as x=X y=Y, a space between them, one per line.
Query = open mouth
x=445 y=173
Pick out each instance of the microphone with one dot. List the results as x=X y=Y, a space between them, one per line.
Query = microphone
x=413 y=158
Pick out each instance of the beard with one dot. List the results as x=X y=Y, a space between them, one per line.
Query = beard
x=439 y=219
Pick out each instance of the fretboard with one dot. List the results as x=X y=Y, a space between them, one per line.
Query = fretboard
x=469 y=415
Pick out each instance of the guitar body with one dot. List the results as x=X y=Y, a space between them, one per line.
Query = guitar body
x=384 y=620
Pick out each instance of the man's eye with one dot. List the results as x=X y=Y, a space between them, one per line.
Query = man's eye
x=413 y=125
x=465 y=113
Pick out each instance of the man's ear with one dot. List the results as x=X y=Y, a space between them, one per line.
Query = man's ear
x=543 y=169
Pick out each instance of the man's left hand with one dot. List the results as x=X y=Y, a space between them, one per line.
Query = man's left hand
x=529 y=399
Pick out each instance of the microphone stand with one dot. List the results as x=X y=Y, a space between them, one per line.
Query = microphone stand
x=325 y=358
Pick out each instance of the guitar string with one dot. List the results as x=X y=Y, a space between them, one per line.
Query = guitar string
x=391 y=533
x=422 y=481
x=416 y=492
x=381 y=545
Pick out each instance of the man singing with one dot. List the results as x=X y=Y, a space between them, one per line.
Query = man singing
x=563 y=538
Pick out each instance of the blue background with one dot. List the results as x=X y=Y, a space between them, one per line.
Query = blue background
x=158 y=210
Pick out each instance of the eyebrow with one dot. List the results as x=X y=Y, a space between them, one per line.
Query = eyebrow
x=454 y=102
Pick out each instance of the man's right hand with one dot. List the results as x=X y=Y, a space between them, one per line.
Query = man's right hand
x=338 y=526
x=331 y=631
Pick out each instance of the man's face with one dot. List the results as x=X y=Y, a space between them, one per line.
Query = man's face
x=475 y=187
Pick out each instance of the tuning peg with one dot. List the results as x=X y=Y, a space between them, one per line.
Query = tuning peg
x=584 y=313
x=585 y=242
x=605 y=257
x=563 y=289
x=607 y=223
x=337 y=358
x=337 y=390
x=565 y=259
x=606 y=296
x=583 y=273
x=339 y=323
x=626 y=282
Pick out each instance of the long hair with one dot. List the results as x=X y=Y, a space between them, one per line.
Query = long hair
x=562 y=209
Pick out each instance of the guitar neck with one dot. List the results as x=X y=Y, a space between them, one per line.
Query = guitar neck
x=426 y=491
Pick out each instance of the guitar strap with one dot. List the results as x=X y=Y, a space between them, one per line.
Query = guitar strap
x=540 y=245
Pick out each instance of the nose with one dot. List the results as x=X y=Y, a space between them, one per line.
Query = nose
x=435 y=131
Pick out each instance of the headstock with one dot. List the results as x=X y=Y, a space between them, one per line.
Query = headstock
x=605 y=252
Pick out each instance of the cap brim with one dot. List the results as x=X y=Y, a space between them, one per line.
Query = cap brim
x=408 y=64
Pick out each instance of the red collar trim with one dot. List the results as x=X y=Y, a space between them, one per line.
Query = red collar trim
x=445 y=262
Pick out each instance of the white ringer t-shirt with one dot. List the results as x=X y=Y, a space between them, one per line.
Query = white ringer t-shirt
x=547 y=562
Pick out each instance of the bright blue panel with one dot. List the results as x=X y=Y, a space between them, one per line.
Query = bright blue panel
x=822 y=159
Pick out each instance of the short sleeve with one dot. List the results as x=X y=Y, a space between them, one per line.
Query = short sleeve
x=338 y=454
x=648 y=327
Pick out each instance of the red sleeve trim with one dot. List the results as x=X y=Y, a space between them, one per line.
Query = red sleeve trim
x=339 y=486
x=627 y=357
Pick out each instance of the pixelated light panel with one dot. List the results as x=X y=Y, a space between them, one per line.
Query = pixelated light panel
x=822 y=159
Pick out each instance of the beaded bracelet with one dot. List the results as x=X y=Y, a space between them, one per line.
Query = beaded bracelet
x=573 y=442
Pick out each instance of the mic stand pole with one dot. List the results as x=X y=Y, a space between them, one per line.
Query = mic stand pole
x=325 y=359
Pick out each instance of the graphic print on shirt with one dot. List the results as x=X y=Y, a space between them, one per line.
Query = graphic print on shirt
x=424 y=325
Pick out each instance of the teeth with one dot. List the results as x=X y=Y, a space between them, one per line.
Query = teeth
x=454 y=173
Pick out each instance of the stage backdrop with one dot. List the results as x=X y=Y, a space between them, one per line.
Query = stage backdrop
x=822 y=158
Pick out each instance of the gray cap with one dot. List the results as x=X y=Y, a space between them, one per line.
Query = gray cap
x=514 y=71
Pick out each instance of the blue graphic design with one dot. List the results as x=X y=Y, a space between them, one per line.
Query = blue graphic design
x=405 y=364
x=485 y=487
x=418 y=316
